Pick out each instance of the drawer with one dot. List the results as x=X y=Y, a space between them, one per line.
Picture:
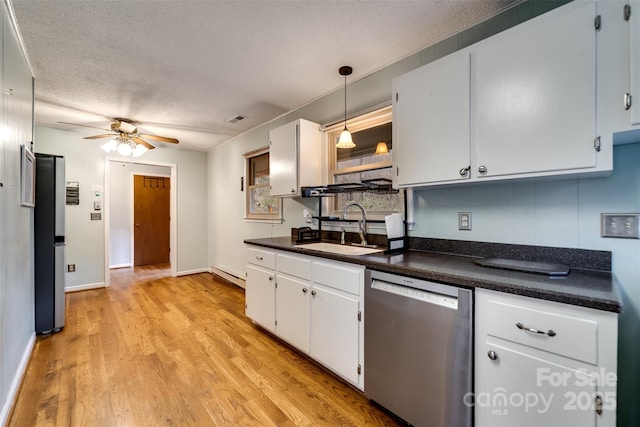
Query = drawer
x=339 y=276
x=296 y=266
x=264 y=258
x=564 y=329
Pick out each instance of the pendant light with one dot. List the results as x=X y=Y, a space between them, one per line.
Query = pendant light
x=345 y=140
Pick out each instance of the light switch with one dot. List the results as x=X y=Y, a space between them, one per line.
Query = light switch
x=626 y=226
x=97 y=205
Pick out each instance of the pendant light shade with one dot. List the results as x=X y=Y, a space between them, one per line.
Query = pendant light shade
x=345 y=140
x=382 y=148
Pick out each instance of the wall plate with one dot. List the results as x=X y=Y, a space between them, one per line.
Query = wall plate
x=620 y=225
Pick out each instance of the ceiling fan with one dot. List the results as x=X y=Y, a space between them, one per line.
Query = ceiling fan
x=125 y=138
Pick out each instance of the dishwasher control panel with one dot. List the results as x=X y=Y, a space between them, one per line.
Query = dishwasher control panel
x=418 y=294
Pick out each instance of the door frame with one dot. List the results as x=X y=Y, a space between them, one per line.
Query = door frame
x=132 y=211
x=173 y=216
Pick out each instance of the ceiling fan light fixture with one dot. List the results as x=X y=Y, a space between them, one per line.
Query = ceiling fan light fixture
x=139 y=150
x=110 y=146
x=345 y=140
x=124 y=149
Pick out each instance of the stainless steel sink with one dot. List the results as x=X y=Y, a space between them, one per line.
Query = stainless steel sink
x=339 y=249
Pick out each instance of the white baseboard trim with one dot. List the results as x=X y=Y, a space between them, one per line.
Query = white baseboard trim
x=229 y=277
x=196 y=271
x=125 y=265
x=84 y=287
x=17 y=381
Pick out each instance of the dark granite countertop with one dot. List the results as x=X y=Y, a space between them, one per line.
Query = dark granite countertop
x=583 y=287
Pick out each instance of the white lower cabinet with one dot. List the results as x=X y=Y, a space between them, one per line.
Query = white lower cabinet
x=313 y=304
x=292 y=311
x=541 y=363
x=260 y=296
x=334 y=331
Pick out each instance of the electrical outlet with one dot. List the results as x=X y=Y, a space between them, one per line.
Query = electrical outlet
x=71 y=268
x=626 y=226
x=464 y=220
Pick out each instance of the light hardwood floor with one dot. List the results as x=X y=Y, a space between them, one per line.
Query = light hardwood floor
x=154 y=350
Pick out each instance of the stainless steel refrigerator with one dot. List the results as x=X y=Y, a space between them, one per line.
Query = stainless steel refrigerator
x=49 y=243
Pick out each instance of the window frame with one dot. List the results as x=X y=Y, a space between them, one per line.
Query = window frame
x=248 y=186
x=376 y=117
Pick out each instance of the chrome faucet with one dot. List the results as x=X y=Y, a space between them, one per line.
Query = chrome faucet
x=362 y=224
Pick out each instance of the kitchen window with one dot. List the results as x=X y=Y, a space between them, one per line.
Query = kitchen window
x=363 y=162
x=260 y=204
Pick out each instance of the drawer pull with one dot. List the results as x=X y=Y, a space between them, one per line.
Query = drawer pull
x=259 y=258
x=492 y=355
x=550 y=332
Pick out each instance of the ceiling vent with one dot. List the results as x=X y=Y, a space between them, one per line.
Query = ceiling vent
x=235 y=119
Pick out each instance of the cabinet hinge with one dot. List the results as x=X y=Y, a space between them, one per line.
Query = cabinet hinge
x=597 y=22
x=397 y=170
x=596 y=143
x=397 y=97
x=276 y=323
x=359 y=369
x=359 y=316
x=627 y=12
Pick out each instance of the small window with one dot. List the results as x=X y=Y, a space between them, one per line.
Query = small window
x=260 y=204
x=372 y=134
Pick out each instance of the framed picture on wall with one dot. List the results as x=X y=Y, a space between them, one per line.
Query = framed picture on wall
x=27 y=177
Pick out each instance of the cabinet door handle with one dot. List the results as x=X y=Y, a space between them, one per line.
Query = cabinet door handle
x=492 y=355
x=482 y=169
x=270 y=278
x=465 y=171
x=259 y=258
x=627 y=101
x=304 y=290
x=598 y=404
x=293 y=190
x=550 y=332
x=313 y=293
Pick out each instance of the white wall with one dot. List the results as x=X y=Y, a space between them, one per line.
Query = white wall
x=16 y=221
x=120 y=207
x=85 y=238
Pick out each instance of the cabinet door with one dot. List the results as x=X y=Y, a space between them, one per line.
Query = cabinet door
x=519 y=389
x=431 y=122
x=283 y=160
x=292 y=311
x=634 y=50
x=534 y=96
x=334 y=336
x=260 y=296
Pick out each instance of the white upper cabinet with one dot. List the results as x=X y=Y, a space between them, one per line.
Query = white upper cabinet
x=531 y=101
x=294 y=157
x=431 y=122
x=534 y=97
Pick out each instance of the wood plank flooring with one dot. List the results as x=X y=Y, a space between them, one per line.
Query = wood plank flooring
x=154 y=350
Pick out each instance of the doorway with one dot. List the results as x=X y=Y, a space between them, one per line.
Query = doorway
x=150 y=219
x=119 y=213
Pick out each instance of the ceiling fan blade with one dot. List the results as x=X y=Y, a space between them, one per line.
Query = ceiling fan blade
x=106 y=135
x=86 y=126
x=143 y=143
x=160 y=138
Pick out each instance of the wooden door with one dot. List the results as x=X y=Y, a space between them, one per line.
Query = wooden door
x=151 y=219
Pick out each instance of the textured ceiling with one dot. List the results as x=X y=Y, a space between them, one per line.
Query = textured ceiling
x=181 y=68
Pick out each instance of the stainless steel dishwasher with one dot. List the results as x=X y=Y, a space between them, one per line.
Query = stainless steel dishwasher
x=418 y=349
